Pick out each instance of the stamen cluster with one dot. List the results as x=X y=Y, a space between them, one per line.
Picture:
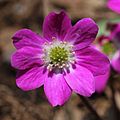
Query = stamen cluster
x=58 y=55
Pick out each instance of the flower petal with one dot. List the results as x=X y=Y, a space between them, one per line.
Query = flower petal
x=80 y=80
x=56 y=25
x=56 y=89
x=115 y=62
x=82 y=33
x=26 y=37
x=101 y=81
x=93 y=60
x=31 y=79
x=114 y=5
x=115 y=36
x=26 y=57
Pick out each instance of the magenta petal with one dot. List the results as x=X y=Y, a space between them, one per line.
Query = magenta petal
x=26 y=57
x=114 y=5
x=93 y=60
x=115 y=35
x=81 y=80
x=82 y=33
x=32 y=79
x=101 y=81
x=115 y=62
x=56 y=25
x=26 y=37
x=56 y=89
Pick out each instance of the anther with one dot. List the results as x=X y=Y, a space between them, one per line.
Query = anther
x=64 y=42
x=58 y=54
x=67 y=65
x=49 y=67
x=61 y=67
x=73 y=52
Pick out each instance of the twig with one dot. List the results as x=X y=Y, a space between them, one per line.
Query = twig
x=111 y=83
x=90 y=108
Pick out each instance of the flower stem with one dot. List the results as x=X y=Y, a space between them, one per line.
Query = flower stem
x=90 y=108
x=111 y=83
x=116 y=110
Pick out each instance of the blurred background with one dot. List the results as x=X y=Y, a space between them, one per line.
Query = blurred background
x=18 y=105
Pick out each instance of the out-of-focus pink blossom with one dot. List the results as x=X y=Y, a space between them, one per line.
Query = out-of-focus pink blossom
x=115 y=62
x=114 y=5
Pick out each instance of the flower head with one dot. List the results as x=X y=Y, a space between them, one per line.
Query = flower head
x=114 y=5
x=62 y=60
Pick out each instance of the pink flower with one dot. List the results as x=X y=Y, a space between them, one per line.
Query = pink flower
x=115 y=62
x=62 y=60
x=114 y=37
x=115 y=34
x=114 y=5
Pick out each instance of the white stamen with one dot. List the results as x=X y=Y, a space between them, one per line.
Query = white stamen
x=58 y=60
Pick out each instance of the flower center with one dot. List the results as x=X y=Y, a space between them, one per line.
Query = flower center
x=58 y=55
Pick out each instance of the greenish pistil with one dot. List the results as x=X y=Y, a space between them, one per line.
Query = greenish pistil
x=58 y=55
